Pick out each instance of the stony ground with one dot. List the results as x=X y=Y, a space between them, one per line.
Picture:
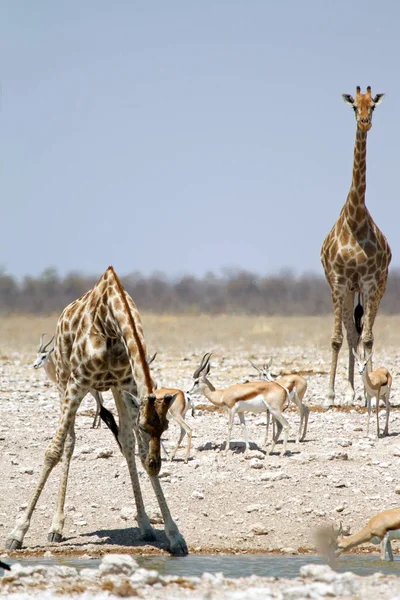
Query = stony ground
x=221 y=502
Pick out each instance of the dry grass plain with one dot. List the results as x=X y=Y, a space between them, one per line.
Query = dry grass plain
x=222 y=502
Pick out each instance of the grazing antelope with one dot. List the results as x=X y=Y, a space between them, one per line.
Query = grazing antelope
x=296 y=386
x=381 y=529
x=44 y=359
x=255 y=397
x=177 y=411
x=377 y=385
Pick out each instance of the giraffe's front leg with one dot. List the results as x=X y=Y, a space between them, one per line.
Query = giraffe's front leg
x=127 y=441
x=57 y=525
x=52 y=457
x=176 y=540
x=336 y=344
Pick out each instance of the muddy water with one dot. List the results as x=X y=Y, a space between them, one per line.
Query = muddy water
x=265 y=565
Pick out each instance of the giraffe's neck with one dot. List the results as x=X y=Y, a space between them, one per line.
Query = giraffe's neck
x=355 y=204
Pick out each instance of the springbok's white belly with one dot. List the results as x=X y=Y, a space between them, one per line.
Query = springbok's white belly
x=393 y=534
x=374 y=393
x=255 y=405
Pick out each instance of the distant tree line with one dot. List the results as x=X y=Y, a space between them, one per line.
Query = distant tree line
x=233 y=292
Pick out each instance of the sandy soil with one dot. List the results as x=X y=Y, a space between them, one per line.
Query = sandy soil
x=221 y=502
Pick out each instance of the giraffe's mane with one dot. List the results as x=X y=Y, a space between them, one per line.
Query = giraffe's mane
x=142 y=353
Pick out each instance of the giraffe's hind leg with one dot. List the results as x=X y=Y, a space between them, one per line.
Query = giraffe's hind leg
x=352 y=340
x=53 y=454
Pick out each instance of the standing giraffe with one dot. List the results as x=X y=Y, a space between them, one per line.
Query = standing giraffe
x=355 y=254
x=100 y=345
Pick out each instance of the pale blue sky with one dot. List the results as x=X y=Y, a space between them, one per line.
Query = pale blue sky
x=186 y=136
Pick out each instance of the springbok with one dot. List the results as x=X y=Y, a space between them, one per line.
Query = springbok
x=377 y=385
x=296 y=386
x=44 y=359
x=177 y=410
x=381 y=529
x=255 y=397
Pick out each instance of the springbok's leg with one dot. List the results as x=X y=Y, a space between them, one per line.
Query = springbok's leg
x=377 y=413
x=231 y=416
x=53 y=454
x=267 y=428
x=177 y=542
x=301 y=410
x=283 y=425
x=57 y=524
x=369 y=410
x=386 y=548
x=245 y=432
x=387 y=394
x=99 y=402
x=306 y=416
x=127 y=441
x=185 y=429
x=336 y=341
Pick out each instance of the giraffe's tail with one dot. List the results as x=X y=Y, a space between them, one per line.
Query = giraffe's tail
x=358 y=315
x=109 y=420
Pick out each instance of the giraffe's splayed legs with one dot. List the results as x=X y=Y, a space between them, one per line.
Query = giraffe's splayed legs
x=54 y=452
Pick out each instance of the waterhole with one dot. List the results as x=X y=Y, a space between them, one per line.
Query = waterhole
x=232 y=566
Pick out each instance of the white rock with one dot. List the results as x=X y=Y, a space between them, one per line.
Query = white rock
x=145 y=577
x=274 y=476
x=89 y=574
x=104 y=453
x=318 y=573
x=259 y=529
x=253 y=508
x=197 y=495
x=255 y=463
x=114 y=564
x=127 y=513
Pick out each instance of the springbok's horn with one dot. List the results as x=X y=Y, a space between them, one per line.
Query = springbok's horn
x=202 y=365
x=254 y=366
x=150 y=359
x=48 y=343
x=41 y=342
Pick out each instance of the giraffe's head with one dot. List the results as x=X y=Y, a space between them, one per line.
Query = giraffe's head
x=152 y=424
x=363 y=106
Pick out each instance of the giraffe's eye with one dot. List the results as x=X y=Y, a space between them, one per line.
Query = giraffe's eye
x=373 y=107
x=354 y=108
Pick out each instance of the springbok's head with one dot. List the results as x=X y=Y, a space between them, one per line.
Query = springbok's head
x=363 y=106
x=361 y=362
x=43 y=354
x=200 y=374
x=327 y=540
x=264 y=372
x=152 y=422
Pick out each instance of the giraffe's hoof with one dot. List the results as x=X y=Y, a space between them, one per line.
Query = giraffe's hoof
x=149 y=535
x=178 y=547
x=12 y=544
x=54 y=537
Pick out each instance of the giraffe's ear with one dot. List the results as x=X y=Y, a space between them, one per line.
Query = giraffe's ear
x=348 y=99
x=378 y=98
